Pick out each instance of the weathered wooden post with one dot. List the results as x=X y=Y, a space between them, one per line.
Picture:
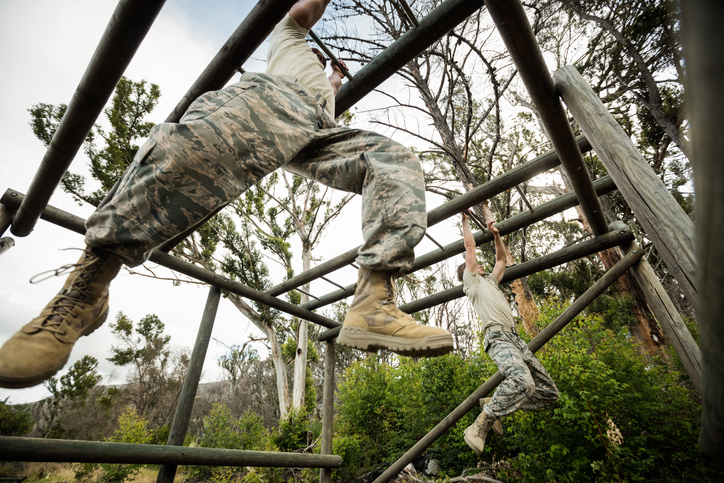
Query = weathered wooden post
x=671 y=230
x=704 y=52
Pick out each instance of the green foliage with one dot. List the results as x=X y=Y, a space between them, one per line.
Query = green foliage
x=295 y=432
x=132 y=428
x=221 y=430
x=131 y=103
x=618 y=417
x=76 y=384
x=14 y=422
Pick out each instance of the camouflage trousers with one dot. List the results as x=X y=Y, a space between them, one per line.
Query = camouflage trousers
x=229 y=139
x=527 y=385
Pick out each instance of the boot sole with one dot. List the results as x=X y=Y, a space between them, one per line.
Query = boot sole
x=19 y=383
x=367 y=341
x=474 y=444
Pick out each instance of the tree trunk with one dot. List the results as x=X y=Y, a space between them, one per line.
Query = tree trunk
x=276 y=353
x=300 y=356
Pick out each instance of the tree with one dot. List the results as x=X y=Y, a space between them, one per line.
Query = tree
x=68 y=393
x=156 y=375
x=132 y=101
x=14 y=422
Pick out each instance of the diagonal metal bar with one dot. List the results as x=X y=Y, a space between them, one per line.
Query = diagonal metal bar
x=513 y=26
x=181 y=418
x=408 y=11
x=329 y=53
x=126 y=30
x=522 y=195
x=433 y=26
x=74 y=223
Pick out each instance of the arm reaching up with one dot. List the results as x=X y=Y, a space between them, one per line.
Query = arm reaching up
x=501 y=260
x=308 y=12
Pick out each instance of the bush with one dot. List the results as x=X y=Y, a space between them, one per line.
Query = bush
x=222 y=430
x=14 y=422
x=132 y=428
x=619 y=417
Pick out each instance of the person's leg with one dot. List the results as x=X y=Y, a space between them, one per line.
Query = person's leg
x=512 y=393
x=390 y=179
x=518 y=386
x=546 y=392
x=226 y=141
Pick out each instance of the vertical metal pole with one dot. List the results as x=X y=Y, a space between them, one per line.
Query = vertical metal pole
x=191 y=383
x=325 y=474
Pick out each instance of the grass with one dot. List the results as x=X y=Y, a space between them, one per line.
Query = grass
x=63 y=472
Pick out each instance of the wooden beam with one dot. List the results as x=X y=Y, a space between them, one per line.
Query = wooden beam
x=513 y=26
x=703 y=44
x=547 y=334
x=665 y=222
x=65 y=451
x=669 y=319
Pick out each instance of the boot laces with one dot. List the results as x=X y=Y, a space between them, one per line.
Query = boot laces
x=390 y=290
x=54 y=321
x=86 y=269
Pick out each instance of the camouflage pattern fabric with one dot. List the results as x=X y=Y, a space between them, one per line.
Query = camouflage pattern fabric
x=229 y=139
x=527 y=385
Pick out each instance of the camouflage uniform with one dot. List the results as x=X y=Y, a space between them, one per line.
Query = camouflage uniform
x=229 y=139
x=527 y=385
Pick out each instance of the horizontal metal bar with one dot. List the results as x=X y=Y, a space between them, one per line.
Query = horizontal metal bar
x=524 y=172
x=249 y=35
x=126 y=30
x=558 y=205
x=57 y=450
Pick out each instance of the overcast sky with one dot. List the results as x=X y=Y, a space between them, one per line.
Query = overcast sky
x=45 y=46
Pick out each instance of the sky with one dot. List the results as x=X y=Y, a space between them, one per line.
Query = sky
x=45 y=47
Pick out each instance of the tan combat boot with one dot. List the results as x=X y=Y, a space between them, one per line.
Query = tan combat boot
x=42 y=347
x=475 y=434
x=374 y=322
x=498 y=424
